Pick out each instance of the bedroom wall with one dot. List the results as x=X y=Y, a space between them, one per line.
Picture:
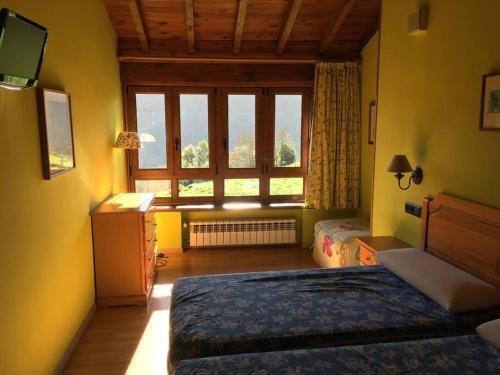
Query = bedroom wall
x=47 y=280
x=429 y=108
x=369 y=72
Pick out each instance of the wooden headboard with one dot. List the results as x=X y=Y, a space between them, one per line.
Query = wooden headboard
x=463 y=233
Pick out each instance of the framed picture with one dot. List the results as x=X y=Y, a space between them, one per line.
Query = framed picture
x=372 y=121
x=56 y=133
x=490 y=102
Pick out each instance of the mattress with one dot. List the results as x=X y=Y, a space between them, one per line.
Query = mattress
x=284 y=310
x=335 y=242
x=439 y=356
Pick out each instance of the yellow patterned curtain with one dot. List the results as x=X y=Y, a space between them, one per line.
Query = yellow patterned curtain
x=334 y=169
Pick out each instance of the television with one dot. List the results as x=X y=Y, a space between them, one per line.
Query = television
x=22 y=46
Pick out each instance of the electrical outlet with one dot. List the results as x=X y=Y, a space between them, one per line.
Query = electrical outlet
x=413 y=209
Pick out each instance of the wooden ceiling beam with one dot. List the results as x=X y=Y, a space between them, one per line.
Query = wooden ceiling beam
x=190 y=26
x=219 y=59
x=240 y=25
x=335 y=25
x=293 y=10
x=140 y=26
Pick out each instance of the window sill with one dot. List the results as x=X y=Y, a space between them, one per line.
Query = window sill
x=229 y=207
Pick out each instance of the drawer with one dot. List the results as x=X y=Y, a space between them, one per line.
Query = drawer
x=150 y=273
x=150 y=250
x=367 y=257
x=149 y=218
x=149 y=237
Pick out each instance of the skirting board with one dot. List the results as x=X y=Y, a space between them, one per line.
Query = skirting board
x=177 y=250
x=74 y=342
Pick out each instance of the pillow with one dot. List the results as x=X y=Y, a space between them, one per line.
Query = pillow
x=456 y=290
x=490 y=332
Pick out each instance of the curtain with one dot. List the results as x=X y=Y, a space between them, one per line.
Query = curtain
x=334 y=167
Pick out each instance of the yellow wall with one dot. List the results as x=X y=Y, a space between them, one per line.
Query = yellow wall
x=429 y=105
x=369 y=70
x=47 y=282
x=169 y=230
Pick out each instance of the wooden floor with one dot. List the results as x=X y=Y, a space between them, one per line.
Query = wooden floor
x=134 y=340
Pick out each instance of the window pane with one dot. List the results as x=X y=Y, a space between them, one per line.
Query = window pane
x=161 y=188
x=241 y=187
x=288 y=130
x=241 y=129
x=196 y=188
x=194 y=130
x=286 y=186
x=151 y=127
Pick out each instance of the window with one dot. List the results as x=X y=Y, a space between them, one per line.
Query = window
x=151 y=128
x=287 y=130
x=161 y=188
x=194 y=130
x=219 y=145
x=241 y=131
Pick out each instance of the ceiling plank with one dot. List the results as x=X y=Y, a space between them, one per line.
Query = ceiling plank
x=335 y=25
x=190 y=25
x=240 y=24
x=140 y=26
x=288 y=25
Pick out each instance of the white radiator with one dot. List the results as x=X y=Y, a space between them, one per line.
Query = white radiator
x=242 y=232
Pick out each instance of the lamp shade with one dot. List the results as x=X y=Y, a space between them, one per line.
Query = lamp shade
x=399 y=164
x=128 y=140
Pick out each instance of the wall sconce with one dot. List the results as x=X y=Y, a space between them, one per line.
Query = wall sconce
x=400 y=165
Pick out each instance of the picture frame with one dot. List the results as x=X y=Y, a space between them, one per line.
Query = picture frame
x=56 y=133
x=372 y=121
x=490 y=102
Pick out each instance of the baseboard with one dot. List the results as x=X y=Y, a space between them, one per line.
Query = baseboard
x=177 y=250
x=74 y=342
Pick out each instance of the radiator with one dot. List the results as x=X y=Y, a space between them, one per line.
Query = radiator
x=242 y=232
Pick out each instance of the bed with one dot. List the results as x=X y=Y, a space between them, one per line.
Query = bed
x=335 y=242
x=258 y=312
x=450 y=355
x=278 y=311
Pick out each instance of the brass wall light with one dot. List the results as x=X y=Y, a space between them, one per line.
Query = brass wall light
x=400 y=165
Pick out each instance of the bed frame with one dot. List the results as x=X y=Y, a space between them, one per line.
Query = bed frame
x=463 y=233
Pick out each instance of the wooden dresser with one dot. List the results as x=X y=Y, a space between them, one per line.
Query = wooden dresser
x=369 y=246
x=124 y=236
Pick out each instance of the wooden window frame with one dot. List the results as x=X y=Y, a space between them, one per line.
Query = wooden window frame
x=219 y=169
x=289 y=172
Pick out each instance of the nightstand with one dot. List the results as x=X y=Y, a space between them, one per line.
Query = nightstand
x=369 y=246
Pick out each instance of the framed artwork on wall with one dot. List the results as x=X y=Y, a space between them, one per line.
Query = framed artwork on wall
x=490 y=102
x=372 y=121
x=56 y=133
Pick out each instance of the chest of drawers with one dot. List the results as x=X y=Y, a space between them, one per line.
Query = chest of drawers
x=124 y=239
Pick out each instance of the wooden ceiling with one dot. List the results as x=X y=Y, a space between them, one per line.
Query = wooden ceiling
x=242 y=30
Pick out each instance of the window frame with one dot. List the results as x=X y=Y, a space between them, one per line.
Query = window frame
x=289 y=172
x=223 y=150
x=136 y=173
x=219 y=170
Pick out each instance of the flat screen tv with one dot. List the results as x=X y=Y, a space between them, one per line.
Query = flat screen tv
x=22 y=45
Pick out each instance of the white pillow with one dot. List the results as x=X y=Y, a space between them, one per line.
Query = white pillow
x=456 y=290
x=490 y=332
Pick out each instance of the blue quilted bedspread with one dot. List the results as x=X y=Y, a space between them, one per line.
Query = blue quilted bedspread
x=439 y=356
x=271 y=311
